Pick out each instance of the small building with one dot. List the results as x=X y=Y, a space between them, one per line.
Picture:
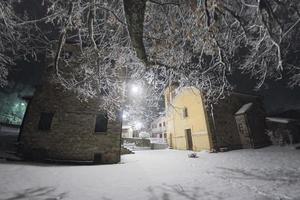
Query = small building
x=58 y=126
x=192 y=124
x=286 y=128
x=127 y=131
x=251 y=126
x=158 y=128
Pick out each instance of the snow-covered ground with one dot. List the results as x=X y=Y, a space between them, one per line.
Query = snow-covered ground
x=263 y=174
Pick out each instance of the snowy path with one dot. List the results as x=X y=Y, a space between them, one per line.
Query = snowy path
x=264 y=174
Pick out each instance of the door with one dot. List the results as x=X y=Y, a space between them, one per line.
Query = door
x=171 y=141
x=189 y=139
x=244 y=131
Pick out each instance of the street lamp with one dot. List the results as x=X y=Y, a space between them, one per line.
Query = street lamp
x=138 y=125
x=124 y=116
x=135 y=89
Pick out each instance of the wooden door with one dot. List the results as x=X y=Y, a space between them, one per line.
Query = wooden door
x=171 y=141
x=244 y=131
x=189 y=139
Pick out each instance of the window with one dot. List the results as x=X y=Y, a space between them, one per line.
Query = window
x=101 y=123
x=159 y=124
x=45 y=121
x=164 y=124
x=185 y=112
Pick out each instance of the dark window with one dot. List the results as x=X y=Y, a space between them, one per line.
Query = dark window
x=185 y=112
x=101 y=123
x=45 y=121
x=164 y=123
x=159 y=124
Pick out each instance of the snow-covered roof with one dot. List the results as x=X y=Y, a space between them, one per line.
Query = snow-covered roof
x=126 y=127
x=244 y=108
x=280 y=120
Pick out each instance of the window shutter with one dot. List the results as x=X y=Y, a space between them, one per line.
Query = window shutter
x=45 y=121
x=101 y=122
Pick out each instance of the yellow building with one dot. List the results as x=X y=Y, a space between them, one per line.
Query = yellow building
x=191 y=126
x=187 y=127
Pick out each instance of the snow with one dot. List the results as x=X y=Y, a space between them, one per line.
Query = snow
x=244 y=108
x=279 y=120
x=263 y=174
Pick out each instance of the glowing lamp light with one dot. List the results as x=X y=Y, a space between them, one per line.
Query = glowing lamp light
x=124 y=116
x=138 y=125
x=135 y=89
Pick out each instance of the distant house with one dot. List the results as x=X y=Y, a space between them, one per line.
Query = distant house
x=286 y=128
x=127 y=131
x=58 y=126
x=235 y=122
x=158 y=127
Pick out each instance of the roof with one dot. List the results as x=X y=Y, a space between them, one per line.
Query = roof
x=291 y=114
x=126 y=127
x=244 y=109
x=280 y=120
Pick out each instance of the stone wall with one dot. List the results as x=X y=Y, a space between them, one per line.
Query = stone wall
x=72 y=134
x=221 y=119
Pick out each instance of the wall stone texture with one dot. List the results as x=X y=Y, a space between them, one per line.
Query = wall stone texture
x=222 y=122
x=72 y=134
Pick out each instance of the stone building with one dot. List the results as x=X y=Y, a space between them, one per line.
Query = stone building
x=60 y=127
x=192 y=125
x=238 y=121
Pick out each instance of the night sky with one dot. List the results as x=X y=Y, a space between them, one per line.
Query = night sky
x=277 y=95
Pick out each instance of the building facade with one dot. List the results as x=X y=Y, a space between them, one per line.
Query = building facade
x=187 y=126
x=58 y=126
x=127 y=131
x=158 y=128
x=192 y=125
